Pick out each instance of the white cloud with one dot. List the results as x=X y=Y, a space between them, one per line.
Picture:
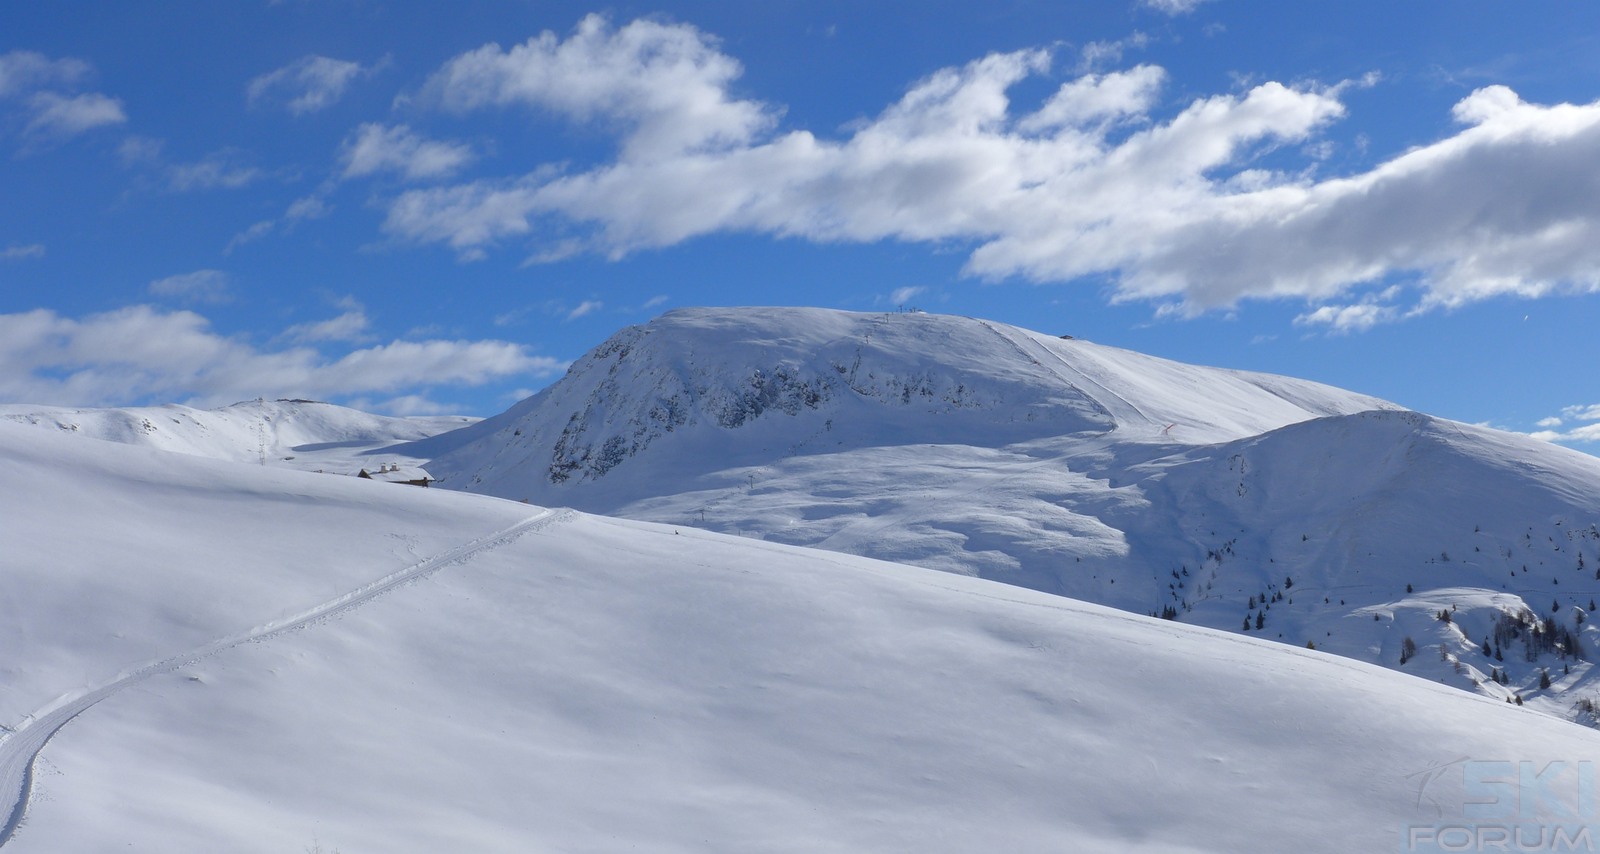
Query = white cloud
x=218 y=170
x=514 y=316
x=23 y=71
x=586 y=307
x=664 y=85
x=469 y=217
x=1098 y=54
x=309 y=207
x=52 y=112
x=901 y=296
x=306 y=85
x=209 y=286
x=413 y=404
x=1172 y=205
x=1372 y=310
x=14 y=253
x=1578 y=435
x=1358 y=317
x=1172 y=7
x=250 y=235
x=374 y=148
x=142 y=353
x=1097 y=97
x=655 y=301
x=57 y=116
x=136 y=150
x=349 y=326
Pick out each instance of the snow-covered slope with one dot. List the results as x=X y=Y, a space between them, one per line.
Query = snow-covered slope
x=253 y=660
x=757 y=384
x=1081 y=470
x=302 y=434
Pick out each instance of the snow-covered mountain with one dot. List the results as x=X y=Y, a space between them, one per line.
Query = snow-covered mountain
x=770 y=383
x=1245 y=502
x=303 y=434
x=208 y=656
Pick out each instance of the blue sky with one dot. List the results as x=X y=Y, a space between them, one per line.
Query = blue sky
x=425 y=207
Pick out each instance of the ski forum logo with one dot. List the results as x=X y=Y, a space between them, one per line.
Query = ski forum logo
x=1514 y=806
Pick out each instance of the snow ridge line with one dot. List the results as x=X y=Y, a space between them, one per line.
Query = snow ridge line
x=20 y=749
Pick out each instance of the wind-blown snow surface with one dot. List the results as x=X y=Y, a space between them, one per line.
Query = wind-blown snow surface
x=1243 y=502
x=534 y=682
x=300 y=434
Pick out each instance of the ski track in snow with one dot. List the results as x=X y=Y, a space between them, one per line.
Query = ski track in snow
x=20 y=749
x=1065 y=379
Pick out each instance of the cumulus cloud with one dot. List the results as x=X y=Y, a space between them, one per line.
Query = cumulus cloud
x=52 y=110
x=142 y=353
x=1169 y=202
x=664 y=86
x=1557 y=429
x=1349 y=318
x=308 y=84
x=1098 y=97
x=1372 y=310
x=373 y=148
x=1580 y=434
x=209 y=286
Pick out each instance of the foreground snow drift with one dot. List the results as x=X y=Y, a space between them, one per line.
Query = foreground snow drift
x=602 y=685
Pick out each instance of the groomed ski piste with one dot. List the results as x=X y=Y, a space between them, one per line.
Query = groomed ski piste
x=199 y=649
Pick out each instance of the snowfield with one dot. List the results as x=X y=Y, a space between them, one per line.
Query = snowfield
x=279 y=659
x=299 y=434
x=1243 y=502
x=211 y=646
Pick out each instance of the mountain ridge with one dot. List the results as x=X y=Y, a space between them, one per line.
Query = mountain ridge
x=955 y=379
x=1079 y=470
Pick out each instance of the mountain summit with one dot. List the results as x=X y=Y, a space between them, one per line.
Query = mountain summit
x=1244 y=502
x=799 y=381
